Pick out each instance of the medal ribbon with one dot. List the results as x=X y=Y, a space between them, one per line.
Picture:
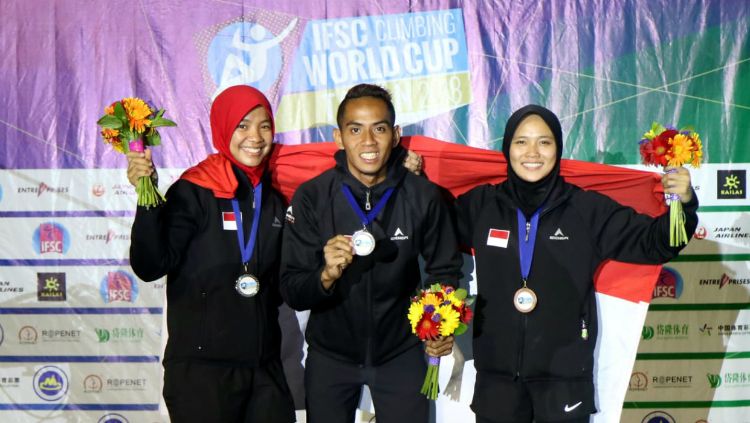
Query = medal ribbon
x=526 y=245
x=369 y=217
x=247 y=249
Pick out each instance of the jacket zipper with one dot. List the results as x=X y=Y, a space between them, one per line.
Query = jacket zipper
x=368 y=206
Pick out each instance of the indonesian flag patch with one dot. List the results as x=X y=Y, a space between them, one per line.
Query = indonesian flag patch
x=498 y=238
x=230 y=224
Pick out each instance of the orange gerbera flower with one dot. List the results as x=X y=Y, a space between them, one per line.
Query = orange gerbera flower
x=138 y=112
x=697 y=150
x=681 y=150
x=428 y=328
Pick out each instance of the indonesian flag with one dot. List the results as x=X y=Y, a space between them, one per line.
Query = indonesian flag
x=623 y=290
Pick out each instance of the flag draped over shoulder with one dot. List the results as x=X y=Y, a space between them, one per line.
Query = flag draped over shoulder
x=458 y=168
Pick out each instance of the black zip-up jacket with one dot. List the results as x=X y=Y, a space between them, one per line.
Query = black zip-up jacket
x=185 y=239
x=363 y=317
x=577 y=231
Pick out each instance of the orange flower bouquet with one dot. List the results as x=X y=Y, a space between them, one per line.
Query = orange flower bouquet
x=439 y=310
x=671 y=147
x=130 y=125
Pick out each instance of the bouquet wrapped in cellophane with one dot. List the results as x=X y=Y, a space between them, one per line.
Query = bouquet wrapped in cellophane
x=667 y=146
x=438 y=311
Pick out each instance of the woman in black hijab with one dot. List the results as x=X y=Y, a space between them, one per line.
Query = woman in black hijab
x=538 y=242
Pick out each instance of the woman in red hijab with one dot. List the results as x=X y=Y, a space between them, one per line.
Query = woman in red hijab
x=218 y=240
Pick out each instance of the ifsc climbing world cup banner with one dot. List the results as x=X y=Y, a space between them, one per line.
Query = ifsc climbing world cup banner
x=307 y=67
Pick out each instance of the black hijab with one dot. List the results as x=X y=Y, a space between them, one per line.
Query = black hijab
x=529 y=196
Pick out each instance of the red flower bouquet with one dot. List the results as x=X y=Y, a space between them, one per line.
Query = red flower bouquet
x=438 y=311
x=671 y=147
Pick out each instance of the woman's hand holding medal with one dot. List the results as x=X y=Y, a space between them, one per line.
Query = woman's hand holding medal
x=338 y=253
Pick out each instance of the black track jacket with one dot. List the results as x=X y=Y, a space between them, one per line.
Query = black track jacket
x=577 y=230
x=186 y=240
x=363 y=317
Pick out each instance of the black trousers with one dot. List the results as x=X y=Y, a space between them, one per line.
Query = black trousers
x=333 y=388
x=204 y=392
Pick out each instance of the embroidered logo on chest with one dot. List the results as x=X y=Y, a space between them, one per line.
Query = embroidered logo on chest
x=559 y=236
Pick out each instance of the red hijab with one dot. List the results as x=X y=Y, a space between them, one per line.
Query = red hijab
x=228 y=109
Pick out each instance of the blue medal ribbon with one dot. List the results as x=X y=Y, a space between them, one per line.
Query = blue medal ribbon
x=526 y=241
x=369 y=217
x=247 y=249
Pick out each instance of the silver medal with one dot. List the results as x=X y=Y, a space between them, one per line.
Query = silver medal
x=364 y=242
x=247 y=285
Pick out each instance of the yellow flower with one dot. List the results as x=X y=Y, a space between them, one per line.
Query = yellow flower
x=450 y=320
x=137 y=111
x=431 y=299
x=681 y=151
x=110 y=133
x=453 y=300
x=415 y=315
x=697 y=150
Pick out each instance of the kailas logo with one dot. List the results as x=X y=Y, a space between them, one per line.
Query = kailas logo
x=701 y=233
x=669 y=284
x=647 y=333
x=276 y=222
x=50 y=286
x=92 y=383
x=289 y=215
x=102 y=334
x=714 y=380
x=730 y=184
x=248 y=53
x=558 y=236
x=119 y=286
x=51 y=237
x=638 y=382
x=112 y=418
x=398 y=235
x=50 y=383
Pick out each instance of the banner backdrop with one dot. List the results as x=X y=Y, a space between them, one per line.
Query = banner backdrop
x=81 y=337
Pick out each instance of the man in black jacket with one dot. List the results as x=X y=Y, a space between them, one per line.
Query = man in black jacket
x=350 y=255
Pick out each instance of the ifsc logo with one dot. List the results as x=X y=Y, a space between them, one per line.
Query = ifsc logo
x=118 y=286
x=50 y=383
x=112 y=418
x=247 y=53
x=51 y=237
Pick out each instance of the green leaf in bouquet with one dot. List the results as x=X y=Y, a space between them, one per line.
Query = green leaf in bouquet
x=109 y=122
x=158 y=120
x=461 y=329
x=460 y=293
x=152 y=138
x=435 y=287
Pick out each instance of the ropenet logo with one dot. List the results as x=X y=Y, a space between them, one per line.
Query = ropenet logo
x=50 y=383
x=658 y=417
x=92 y=384
x=420 y=57
x=51 y=237
x=112 y=418
x=51 y=286
x=118 y=286
x=253 y=49
x=730 y=184
x=27 y=335
x=638 y=382
x=669 y=284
